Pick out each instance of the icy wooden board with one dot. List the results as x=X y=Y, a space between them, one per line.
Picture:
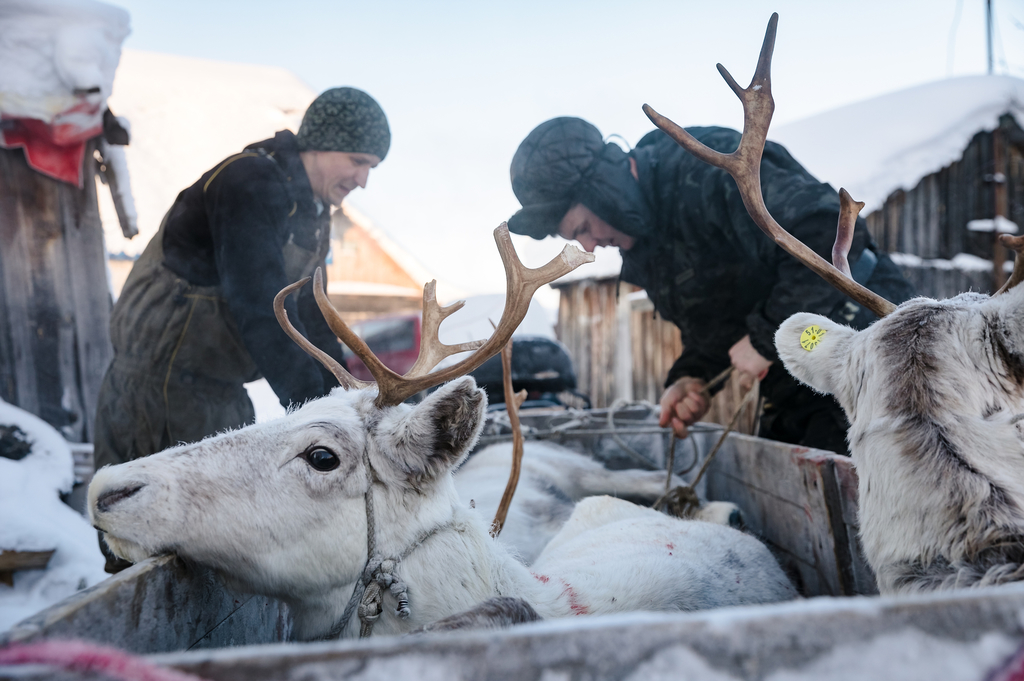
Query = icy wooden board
x=801 y=502
x=159 y=605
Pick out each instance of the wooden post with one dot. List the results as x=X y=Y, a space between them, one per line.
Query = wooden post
x=999 y=207
x=623 y=388
x=54 y=296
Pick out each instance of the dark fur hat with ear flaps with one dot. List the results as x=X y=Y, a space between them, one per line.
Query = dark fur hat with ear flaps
x=565 y=161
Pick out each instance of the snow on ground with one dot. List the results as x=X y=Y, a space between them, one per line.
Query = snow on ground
x=33 y=518
x=879 y=145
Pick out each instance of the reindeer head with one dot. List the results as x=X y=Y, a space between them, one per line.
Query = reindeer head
x=278 y=507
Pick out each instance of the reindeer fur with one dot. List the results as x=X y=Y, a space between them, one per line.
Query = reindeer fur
x=248 y=504
x=552 y=481
x=932 y=392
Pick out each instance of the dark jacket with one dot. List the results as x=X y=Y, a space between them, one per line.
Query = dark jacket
x=233 y=229
x=711 y=271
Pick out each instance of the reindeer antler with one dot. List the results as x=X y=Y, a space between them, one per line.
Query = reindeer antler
x=848 y=212
x=433 y=314
x=744 y=165
x=513 y=401
x=1015 y=244
x=521 y=283
x=345 y=379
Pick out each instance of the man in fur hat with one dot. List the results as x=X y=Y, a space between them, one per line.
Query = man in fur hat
x=686 y=238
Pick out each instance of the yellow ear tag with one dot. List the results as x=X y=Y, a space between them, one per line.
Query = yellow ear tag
x=811 y=336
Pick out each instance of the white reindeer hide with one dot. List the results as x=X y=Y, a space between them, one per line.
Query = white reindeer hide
x=933 y=392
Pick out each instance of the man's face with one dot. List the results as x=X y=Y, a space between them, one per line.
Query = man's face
x=580 y=224
x=333 y=174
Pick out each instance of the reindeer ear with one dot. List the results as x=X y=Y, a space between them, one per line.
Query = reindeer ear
x=814 y=349
x=443 y=429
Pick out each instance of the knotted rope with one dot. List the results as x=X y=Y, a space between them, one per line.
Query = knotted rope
x=380 y=573
x=683 y=501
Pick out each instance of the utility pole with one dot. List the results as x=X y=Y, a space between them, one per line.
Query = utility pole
x=988 y=32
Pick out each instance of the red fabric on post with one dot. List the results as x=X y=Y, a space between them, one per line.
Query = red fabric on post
x=55 y=150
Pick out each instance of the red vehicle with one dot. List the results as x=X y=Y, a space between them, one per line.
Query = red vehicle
x=394 y=340
x=540 y=365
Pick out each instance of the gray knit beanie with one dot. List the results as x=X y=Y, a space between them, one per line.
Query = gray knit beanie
x=345 y=119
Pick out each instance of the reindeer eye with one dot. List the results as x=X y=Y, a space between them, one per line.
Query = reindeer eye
x=322 y=459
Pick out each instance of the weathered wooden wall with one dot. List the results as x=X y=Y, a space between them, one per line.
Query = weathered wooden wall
x=930 y=220
x=54 y=299
x=587 y=325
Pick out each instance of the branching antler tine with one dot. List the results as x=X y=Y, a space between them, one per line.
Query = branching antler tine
x=763 y=72
x=347 y=335
x=533 y=278
x=345 y=379
x=446 y=311
x=1016 y=244
x=730 y=80
x=848 y=212
x=688 y=141
x=432 y=350
x=744 y=165
x=520 y=284
x=512 y=403
x=758 y=105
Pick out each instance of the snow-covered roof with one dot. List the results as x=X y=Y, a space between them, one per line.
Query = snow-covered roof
x=187 y=115
x=54 y=52
x=890 y=142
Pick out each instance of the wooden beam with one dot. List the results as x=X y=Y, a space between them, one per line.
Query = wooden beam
x=12 y=561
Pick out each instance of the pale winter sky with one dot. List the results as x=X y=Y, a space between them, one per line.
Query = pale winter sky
x=463 y=82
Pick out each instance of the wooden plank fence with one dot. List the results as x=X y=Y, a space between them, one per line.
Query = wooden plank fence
x=588 y=315
x=930 y=220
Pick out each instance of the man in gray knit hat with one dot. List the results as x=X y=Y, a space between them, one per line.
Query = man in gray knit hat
x=195 y=320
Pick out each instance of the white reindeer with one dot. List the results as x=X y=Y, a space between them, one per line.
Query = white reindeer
x=553 y=480
x=934 y=392
x=347 y=510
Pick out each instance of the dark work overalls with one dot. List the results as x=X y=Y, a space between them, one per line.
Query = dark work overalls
x=180 y=361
